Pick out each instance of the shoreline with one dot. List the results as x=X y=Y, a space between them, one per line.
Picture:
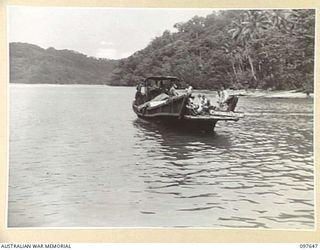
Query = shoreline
x=273 y=93
x=248 y=93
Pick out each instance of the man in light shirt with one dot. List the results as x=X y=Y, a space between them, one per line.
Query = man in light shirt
x=173 y=91
x=225 y=98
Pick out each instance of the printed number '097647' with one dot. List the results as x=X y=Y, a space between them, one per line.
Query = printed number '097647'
x=308 y=246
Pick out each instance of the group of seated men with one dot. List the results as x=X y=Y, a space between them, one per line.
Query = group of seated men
x=202 y=106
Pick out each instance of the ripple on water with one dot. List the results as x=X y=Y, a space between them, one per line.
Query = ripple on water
x=79 y=165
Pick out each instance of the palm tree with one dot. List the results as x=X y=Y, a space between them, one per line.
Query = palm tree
x=247 y=31
x=230 y=51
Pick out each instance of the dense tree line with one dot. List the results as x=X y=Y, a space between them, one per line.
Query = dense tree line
x=31 y=64
x=270 y=49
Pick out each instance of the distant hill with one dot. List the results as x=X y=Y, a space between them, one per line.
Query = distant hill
x=32 y=64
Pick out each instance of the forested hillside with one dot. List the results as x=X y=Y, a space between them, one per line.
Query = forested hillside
x=31 y=64
x=270 y=49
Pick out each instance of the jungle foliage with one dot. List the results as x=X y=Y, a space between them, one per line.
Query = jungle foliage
x=269 y=49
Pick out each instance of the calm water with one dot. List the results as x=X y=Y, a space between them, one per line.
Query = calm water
x=79 y=157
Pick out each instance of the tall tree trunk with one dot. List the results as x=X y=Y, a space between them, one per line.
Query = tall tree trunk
x=252 y=68
x=240 y=68
x=235 y=72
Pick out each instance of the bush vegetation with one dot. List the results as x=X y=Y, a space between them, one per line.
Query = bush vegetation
x=268 y=49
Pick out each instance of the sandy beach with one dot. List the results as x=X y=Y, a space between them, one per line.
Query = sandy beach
x=271 y=94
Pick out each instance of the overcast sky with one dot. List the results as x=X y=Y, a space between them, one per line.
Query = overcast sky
x=100 y=32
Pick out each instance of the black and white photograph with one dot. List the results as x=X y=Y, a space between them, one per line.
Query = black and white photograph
x=161 y=118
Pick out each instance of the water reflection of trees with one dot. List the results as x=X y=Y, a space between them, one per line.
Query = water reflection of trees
x=182 y=168
x=178 y=144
